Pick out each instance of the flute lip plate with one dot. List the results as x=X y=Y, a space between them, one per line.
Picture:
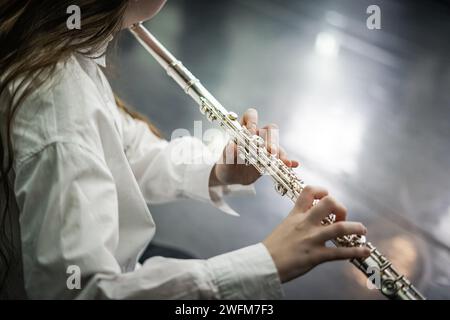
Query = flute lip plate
x=135 y=25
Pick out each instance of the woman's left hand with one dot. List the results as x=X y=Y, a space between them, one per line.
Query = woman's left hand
x=233 y=172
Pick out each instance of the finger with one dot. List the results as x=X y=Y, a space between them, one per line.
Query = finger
x=325 y=207
x=230 y=153
x=250 y=120
x=340 y=229
x=295 y=163
x=343 y=253
x=284 y=157
x=271 y=136
x=307 y=197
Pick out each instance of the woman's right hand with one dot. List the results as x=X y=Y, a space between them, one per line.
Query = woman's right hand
x=298 y=244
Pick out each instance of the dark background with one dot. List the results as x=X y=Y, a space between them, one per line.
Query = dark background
x=367 y=113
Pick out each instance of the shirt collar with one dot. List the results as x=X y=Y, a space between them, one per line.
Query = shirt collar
x=101 y=61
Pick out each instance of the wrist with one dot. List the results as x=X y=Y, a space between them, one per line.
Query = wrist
x=276 y=261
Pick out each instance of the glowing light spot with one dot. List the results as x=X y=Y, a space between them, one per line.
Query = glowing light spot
x=327 y=45
x=329 y=135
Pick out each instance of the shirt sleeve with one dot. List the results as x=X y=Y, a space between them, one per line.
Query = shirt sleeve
x=167 y=171
x=247 y=273
x=69 y=218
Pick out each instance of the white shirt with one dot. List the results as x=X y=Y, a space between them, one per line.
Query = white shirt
x=84 y=174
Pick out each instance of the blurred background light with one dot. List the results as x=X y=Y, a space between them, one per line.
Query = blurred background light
x=328 y=134
x=327 y=45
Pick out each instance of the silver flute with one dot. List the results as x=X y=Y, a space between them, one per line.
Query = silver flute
x=377 y=268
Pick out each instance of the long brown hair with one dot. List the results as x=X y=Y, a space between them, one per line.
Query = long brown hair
x=34 y=37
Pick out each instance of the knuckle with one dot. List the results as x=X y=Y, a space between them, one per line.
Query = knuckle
x=328 y=201
x=300 y=223
x=323 y=191
x=341 y=212
x=340 y=227
x=304 y=201
x=360 y=227
x=314 y=235
x=309 y=239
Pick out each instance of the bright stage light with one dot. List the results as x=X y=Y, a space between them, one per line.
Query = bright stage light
x=329 y=135
x=327 y=45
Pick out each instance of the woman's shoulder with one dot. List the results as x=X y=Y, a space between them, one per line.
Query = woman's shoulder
x=66 y=107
